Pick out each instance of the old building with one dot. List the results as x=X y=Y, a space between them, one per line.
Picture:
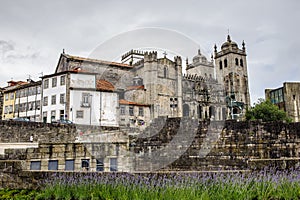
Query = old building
x=231 y=71
x=207 y=91
x=133 y=114
x=201 y=66
x=1 y=102
x=203 y=95
x=77 y=96
x=28 y=101
x=287 y=98
x=9 y=97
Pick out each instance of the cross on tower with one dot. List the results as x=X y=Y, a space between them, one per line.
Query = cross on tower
x=165 y=54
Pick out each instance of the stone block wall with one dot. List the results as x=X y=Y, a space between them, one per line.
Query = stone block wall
x=15 y=131
x=230 y=145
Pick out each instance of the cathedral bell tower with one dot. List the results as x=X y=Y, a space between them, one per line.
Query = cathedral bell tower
x=231 y=70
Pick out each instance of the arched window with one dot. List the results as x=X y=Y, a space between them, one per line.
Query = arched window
x=199 y=108
x=165 y=72
x=211 y=111
x=237 y=62
x=186 y=110
x=220 y=65
x=241 y=63
x=225 y=62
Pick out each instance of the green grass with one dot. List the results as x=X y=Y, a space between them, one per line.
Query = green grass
x=256 y=185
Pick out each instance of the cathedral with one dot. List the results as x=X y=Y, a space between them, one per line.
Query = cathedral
x=149 y=86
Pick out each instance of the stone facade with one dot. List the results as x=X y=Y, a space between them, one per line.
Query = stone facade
x=201 y=66
x=231 y=71
x=286 y=98
x=15 y=132
x=78 y=157
x=1 y=102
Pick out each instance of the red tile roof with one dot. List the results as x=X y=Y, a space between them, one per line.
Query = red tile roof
x=125 y=102
x=136 y=87
x=97 y=61
x=104 y=85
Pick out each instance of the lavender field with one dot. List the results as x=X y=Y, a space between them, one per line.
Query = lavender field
x=267 y=184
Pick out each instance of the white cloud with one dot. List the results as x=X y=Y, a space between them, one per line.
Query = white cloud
x=33 y=33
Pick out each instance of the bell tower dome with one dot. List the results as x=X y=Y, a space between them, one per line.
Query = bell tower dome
x=231 y=70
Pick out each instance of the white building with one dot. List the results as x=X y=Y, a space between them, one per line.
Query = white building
x=28 y=101
x=79 y=97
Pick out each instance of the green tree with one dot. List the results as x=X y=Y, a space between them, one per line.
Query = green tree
x=266 y=111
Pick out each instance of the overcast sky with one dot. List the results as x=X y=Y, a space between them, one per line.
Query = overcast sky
x=33 y=33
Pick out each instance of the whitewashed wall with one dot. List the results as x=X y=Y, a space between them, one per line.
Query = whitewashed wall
x=91 y=114
x=59 y=89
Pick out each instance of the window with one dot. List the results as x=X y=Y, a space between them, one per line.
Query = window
x=131 y=111
x=220 y=63
x=53 y=115
x=79 y=114
x=53 y=165
x=31 y=105
x=236 y=62
x=165 y=72
x=69 y=165
x=122 y=110
x=61 y=114
x=54 y=82
x=46 y=83
x=85 y=164
x=62 y=80
x=113 y=165
x=38 y=105
x=62 y=98
x=53 y=99
x=10 y=109
x=12 y=95
x=35 y=165
x=241 y=63
x=100 y=165
x=141 y=111
x=16 y=108
x=45 y=117
x=85 y=100
x=5 y=109
x=225 y=62
x=39 y=90
x=18 y=94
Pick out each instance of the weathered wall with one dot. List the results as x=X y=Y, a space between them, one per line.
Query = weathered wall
x=14 y=131
x=239 y=145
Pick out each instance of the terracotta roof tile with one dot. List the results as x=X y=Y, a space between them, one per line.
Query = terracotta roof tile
x=136 y=87
x=125 y=102
x=98 y=61
x=104 y=85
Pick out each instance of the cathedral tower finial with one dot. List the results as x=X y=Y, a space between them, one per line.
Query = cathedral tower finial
x=243 y=44
x=228 y=38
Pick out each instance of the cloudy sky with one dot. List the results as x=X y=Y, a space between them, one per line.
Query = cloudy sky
x=33 y=33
